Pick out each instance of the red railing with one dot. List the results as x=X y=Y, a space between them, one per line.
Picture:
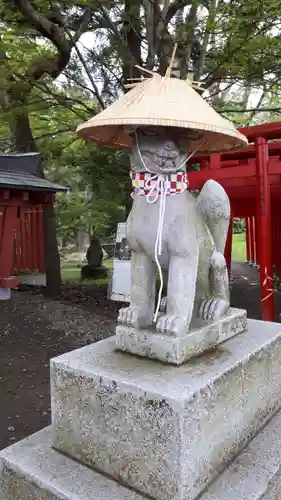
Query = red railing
x=251 y=178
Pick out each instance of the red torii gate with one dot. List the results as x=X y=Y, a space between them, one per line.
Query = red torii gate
x=252 y=180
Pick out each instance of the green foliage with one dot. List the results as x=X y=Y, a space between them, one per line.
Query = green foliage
x=227 y=45
x=71 y=273
x=74 y=213
x=238 y=226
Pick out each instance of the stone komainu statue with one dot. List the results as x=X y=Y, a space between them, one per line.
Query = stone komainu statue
x=164 y=121
x=193 y=237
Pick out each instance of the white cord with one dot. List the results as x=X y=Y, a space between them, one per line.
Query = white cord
x=160 y=186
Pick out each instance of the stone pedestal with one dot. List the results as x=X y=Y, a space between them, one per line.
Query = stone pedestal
x=32 y=470
x=202 y=336
x=165 y=431
x=205 y=430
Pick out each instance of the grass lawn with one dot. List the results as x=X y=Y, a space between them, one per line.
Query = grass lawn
x=70 y=271
x=239 y=247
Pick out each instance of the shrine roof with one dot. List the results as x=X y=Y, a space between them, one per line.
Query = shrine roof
x=19 y=172
x=22 y=180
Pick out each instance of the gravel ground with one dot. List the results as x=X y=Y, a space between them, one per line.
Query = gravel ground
x=34 y=328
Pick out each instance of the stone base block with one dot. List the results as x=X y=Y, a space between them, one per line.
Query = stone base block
x=32 y=470
x=201 y=337
x=256 y=473
x=5 y=293
x=166 y=431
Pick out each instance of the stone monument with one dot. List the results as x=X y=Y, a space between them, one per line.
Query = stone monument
x=94 y=269
x=127 y=427
x=94 y=253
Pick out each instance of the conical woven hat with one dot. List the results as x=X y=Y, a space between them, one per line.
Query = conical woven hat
x=168 y=102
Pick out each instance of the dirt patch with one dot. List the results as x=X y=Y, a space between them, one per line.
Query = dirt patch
x=34 y=329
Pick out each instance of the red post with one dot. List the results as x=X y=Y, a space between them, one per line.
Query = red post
x=34 y=231
x=8 y=241
x=257 y=248
x=252 y=240
x=228 y=247
x=264 y=230
x=2 y=217
x=275 y=249
x=204 y=164
x=23 y=239
x=215 y=161
x=276 y=219
x=29 y=240
x=247 y=230
x=17 y=262
x=40 y=233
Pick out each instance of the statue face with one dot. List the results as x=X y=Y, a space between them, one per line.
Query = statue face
x=163 y=149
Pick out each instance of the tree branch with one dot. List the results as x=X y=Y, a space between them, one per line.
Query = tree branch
x=102 y=62
x=219 y=73
x=257 y=108
x=62 y=100
x=206 y=39
x=84 y=23
x=49 y=30
x=251 y=110
x=84 y=64
x=53 y=65
x=173 y=9
x=54 y=132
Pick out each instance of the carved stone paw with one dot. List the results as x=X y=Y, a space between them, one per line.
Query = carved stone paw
x=134 y=316
x=170 y=324
x=213 y=309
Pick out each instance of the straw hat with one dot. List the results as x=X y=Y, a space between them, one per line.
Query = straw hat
x=163 y=102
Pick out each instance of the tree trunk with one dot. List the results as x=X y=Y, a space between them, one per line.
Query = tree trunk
x=191 y=24
x=132 y=34
x=52 y=256
x=150 y=21
x=22 y=136
x=24 y=143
